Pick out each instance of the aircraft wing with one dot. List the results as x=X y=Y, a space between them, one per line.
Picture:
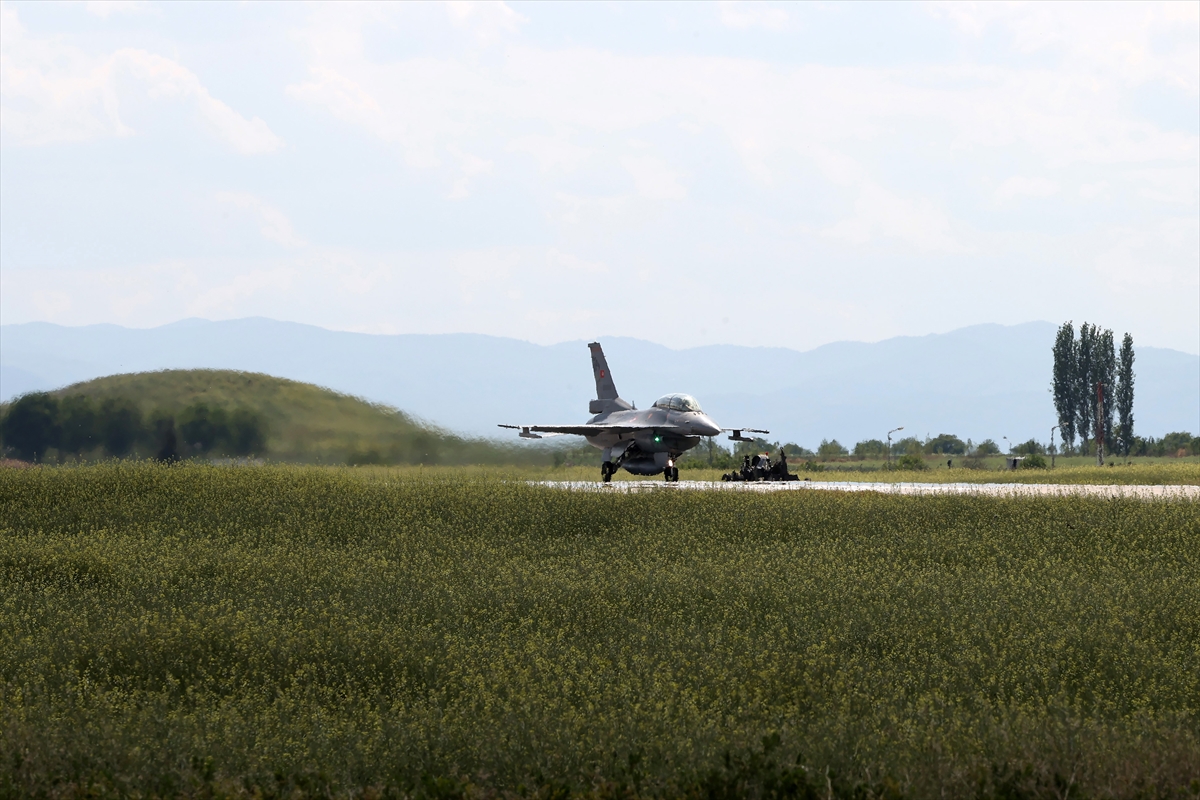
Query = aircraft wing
x=533 y=431
x=736 y=434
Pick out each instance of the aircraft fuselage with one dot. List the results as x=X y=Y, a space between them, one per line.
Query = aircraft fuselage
x=657 y=430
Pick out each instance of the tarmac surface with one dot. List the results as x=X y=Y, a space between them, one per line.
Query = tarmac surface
x=1174 y=492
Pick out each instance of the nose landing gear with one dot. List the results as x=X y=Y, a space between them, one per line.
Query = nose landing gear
x=671 y=473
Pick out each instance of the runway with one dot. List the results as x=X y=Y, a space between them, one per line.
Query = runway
x=1174 y=492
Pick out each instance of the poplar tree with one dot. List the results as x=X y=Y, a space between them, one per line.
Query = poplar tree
x=1104 y=374
x=1064 y=384
x=1085 y=392
x=1124 y=395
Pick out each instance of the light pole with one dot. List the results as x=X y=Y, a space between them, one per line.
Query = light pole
x=1052 y=450
x=893 y=430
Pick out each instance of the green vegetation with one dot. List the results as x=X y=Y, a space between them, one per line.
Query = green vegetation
x=828 y=449
x=186 y=413
x=1090 y=381
x=1177 y=444
x=299 y=631
x=986 y=448
x=870 y=448
x=945 y=444
x=911 y=461
x=1029 y=448
x=947 y=458
x=40 y=427
x=1076 y=470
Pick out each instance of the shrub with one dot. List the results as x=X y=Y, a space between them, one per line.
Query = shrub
x=120 y=424
x=831 y=449
x=1029 y=448
x=247 y=433
x=946 y=444
x=79 y=421
x=986 y=448
x=870 y=448
x=31 y=427
x=911 y=461
x=202 y=427
x=1034 y=461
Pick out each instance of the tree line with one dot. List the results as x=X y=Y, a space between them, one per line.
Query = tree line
x=41 y=427
x=1092 y=381
x=712 y=453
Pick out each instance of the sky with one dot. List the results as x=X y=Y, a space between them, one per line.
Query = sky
x=690 y=174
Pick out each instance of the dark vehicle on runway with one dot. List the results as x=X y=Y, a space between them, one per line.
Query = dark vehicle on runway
x=760 y=468
x=641 y=442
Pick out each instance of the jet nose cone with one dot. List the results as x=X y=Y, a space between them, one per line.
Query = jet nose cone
x=706 y=427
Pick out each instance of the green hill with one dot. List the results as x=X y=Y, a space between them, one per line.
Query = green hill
x=300 y=422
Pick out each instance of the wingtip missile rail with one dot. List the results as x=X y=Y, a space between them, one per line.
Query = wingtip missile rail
x=524 y=431
x=736 y=434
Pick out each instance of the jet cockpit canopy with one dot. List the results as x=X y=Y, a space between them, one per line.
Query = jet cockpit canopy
x=678 y=402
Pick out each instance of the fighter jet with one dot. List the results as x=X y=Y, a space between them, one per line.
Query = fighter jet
x=641 y=442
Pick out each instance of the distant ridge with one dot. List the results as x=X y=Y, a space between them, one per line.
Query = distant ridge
x=984 y=381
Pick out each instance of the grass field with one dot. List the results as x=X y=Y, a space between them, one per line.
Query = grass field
x=299 y=631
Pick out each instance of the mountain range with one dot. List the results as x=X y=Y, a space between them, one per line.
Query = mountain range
x=984 y=381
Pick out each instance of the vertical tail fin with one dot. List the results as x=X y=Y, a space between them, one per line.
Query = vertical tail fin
x=605 y=388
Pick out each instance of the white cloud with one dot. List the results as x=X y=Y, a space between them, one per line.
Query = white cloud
x=560 y=261
x=104 y=8
x=225 y=298
x=742 y=14
x=1152 y=267
x=551 y=153
x=275 y=226
x=1165 y=185
x=470 y=166
x=488 y=19
x=51 y=91
x=654 y=179
x=879 y=213
x=765 y=112
x=125 y=306
x=166 y=78
x=53 y=304
x=335 y=92
x=840 y=176
x=1020 y=186
x=1129 y=43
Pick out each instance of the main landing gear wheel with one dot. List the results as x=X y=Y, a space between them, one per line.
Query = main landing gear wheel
x=607 y=470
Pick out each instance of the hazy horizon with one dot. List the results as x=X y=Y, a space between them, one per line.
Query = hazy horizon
x=981 y=381
x=785 y=346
